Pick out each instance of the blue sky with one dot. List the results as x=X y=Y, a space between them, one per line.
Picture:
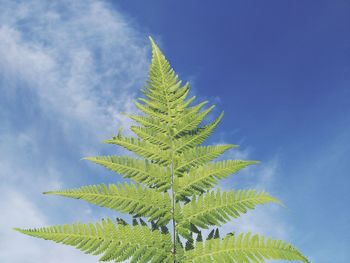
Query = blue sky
x=280 y=70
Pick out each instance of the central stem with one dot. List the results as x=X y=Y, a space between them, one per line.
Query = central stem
x=173 y=209
x=170 y=132
x=172 y=191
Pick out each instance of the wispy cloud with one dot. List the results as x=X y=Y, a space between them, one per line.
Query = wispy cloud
x=20 y=211
x=81 y=60
x=266 y=219
x=67 y=70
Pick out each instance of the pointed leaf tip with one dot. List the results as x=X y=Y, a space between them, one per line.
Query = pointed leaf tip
x=18 y=229
x=155 y=48
x=281 y=204
x=87 y=158
x=48 y=193
x=153 y=44
x=150 y=39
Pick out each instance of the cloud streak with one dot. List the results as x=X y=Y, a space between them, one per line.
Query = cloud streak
x=67 y=71
x=266 y=219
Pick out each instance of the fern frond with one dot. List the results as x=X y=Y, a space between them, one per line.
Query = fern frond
x=142 y=148
x=190 y=120
x=154 y=95
x=148 y=122
x=158 y=115
x=179 y=96
x=156 y=105
x=188 y=102
x=217 y=208
x=244 y=248
x=174 y=99
x=141 y=171
x=174 y=174
x=114 y=242
x=200 y=155
x=158 y=139
x=203 y=178
x=195 y=137
x=126 y=198
x=161 y=75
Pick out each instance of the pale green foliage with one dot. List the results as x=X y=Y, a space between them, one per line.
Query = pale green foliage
x=244 y=248
x=126 y=198
x=214 y=208
x=174 y=178
x=114 y=242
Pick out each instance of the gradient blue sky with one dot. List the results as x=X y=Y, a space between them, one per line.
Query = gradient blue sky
x=279 y=69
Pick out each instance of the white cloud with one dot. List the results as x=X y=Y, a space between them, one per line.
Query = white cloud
x=15 y=247
x=81 y=60
x=67 y=70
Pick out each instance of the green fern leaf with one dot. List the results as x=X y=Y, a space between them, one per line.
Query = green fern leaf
x=150 y=123
x=154 y=137
x=195 y=137
x=141 y=171
x=190 y=119
x=188 y=115
x=244 y=248
x=114 y=242
x=203 y=178
x=142 y=148
x=126 y=198
x=199 y=156
x=218 y=208
x=156 y=114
